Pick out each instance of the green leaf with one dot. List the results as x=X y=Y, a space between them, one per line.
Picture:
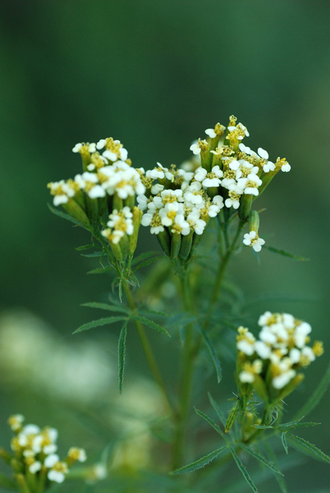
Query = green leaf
x=150 y=323
x=64 y=215
x=144 y=256
x=212 y=351
x=286 y=254
x=122 y=355
x=92 y=255
x=180 y=319
x=316 y=395
x=310 y=448
x=105 y=306
x=84 y=247
x=261 y=458
x=198 y=464
x=279 y=479
x=147 y=311
x=212 y=423
x=101 y=270
x=99 y=322
x=7 y=483
x=284 y=442
x=292 y=425
x=148 y=262
x=243 y=470
x=217 y=409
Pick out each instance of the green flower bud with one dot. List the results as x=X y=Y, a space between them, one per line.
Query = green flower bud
x=75 y=211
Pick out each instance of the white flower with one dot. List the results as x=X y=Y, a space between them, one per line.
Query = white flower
x=252 y=239
x=210 y=132
x=35 y=467
x=282 y=380
x=262 y=349
x=89 y=147
x=195 y=148
x=200 y=174
x=57 y=469
x=15 y=421
x=77 y=454
x=301 y=334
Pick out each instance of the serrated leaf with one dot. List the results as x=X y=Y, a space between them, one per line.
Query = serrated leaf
x=99 y=322
x=122 y=355
x=316 y=395
x=260 y=458
x=105 y=306
x=181 y=319
x=149 y=323
x=310 y=447
x=243 y=470
x=147 y=311
x=286 y=254
x=284 y=442
x=279 y=479
x=292 y=425
x=92 y=255
x=212 y=423
x=143 y=256
x=217 y=409
x=148 y=262
x=212 y=351
x=101 y=270
x=84 y=247
x=66 y=216
x=198 y=464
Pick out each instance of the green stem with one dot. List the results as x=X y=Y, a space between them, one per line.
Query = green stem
x=186 y=380
x=147 y=349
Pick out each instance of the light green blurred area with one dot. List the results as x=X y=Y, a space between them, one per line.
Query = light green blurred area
x=155 y=74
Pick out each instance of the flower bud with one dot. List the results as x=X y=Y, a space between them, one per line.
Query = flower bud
x=75 y=211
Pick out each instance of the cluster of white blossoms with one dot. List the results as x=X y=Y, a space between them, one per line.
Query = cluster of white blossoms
x=224 y=173
x=120 y=223
x=183 y=209
x=108 y=173
x=36 y=449
x=183 y=200
x=279 y=352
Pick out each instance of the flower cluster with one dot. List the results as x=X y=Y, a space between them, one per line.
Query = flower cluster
x=35 y=459
x=231 y=175
x=271 y=362
x=177 y=203
x=104 y=192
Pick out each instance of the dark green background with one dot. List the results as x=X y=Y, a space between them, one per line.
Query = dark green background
x=155 y=74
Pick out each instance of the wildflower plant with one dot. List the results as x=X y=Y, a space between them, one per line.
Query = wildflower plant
x=202 y=213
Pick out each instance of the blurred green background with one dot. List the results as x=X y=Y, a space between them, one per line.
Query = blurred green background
x=155 y=74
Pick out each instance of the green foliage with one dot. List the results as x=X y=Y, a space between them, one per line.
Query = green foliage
x=98 y=323
x=122 y=355
x=212 y=352
x=202 y=462
x=286 y=254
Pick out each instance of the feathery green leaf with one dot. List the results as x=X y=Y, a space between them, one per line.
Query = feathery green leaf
x=286 y=254
x=260 y=458
x=99 y=322
x=316 y=396
x=105 y=306
x=198 y=464
x=212 y=351
x=122 y=355
x=149 y=323
x=308 y=447
x=243 y=470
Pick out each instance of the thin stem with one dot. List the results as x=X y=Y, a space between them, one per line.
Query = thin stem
x=147 y=349
x=186 y=379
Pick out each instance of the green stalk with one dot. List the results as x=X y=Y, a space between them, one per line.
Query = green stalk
x=186 y=380
x=147 y=349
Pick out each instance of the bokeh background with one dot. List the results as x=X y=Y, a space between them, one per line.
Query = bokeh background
x=153 y=74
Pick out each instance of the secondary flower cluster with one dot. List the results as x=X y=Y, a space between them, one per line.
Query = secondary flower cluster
x=35 y=459
x=230 y=174
x=273 y=360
